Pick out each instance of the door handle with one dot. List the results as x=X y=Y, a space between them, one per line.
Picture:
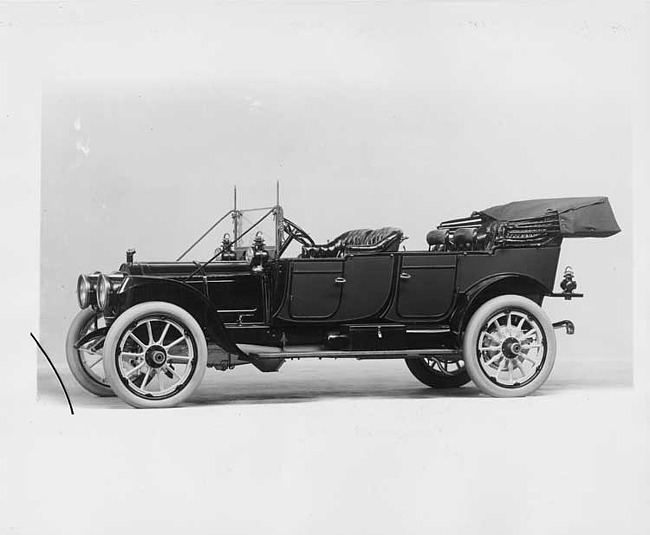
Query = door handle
x=404 y=276
x=339 y=280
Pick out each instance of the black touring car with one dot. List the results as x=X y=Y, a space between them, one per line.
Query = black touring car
x=468 y=307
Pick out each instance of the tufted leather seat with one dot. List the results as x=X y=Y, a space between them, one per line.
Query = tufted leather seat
x=460 y=239
x=357 y=241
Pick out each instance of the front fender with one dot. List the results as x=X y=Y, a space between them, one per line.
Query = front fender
x=141 y=289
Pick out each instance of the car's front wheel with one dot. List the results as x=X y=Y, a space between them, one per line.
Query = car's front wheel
x=509 y=347
x=438 y=373
x=85 y=361
x=155 y=355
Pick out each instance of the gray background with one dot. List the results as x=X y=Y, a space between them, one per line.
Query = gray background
x=367 y=115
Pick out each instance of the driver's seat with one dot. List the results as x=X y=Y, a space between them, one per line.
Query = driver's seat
x=359 y=241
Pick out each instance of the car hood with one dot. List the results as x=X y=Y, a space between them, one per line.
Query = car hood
x=182 y=269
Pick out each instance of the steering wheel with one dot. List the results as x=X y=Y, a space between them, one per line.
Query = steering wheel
x=294 y=232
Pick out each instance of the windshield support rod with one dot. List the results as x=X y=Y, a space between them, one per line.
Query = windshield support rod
x=203 y=235
x=218 y=252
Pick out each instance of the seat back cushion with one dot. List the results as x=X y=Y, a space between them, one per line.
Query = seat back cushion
x=358 y=240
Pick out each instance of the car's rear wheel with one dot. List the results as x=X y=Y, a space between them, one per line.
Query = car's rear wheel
x=85 y=362
x=155 y=355
x=509 y=347
x=438 y=372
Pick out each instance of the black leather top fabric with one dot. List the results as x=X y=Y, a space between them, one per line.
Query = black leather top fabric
x=580 y=217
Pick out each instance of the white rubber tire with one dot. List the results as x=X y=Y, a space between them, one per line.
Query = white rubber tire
x=115 y=333
x=471 y=354
x=77 y=330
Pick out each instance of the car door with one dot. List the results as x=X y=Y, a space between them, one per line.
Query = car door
x=366 y=287
x=315 y=288
x=425 y=285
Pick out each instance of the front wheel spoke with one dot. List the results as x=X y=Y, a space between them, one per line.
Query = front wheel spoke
x=534 y=363
x=160 y=386
x=510 y=371
x=531 y=346
x=150 y=333
x=164 y=333
x=134 y=370
x=181 y=359
x=137 y=340
x=173 y=372
x=144 y=380
x=177 y=341
x=127 y=354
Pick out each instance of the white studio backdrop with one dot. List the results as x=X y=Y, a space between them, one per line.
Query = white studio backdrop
x=367 y=115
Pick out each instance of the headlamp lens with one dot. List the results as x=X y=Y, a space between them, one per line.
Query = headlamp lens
x=103 y=290
x=83 y=291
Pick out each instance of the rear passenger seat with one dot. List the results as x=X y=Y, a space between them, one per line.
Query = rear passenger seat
x=460 y=239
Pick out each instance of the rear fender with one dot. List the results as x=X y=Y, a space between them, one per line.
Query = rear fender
x=144 y=289
x=487 y=289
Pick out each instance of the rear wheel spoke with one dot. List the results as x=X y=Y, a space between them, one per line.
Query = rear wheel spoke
x=520 y=368
x=495 y=358
x=493 y=337
x=499 y=369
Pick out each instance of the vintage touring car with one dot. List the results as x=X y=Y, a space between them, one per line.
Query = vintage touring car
x=468 y=307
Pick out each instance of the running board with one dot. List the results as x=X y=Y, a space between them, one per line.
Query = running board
x=263 y=352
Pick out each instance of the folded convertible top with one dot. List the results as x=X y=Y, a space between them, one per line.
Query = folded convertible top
x=579 y=217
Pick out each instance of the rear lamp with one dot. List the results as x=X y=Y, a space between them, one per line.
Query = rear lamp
x=84 y=289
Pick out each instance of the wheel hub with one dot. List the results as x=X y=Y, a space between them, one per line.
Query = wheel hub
x=155 y=356
x=511 y=348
